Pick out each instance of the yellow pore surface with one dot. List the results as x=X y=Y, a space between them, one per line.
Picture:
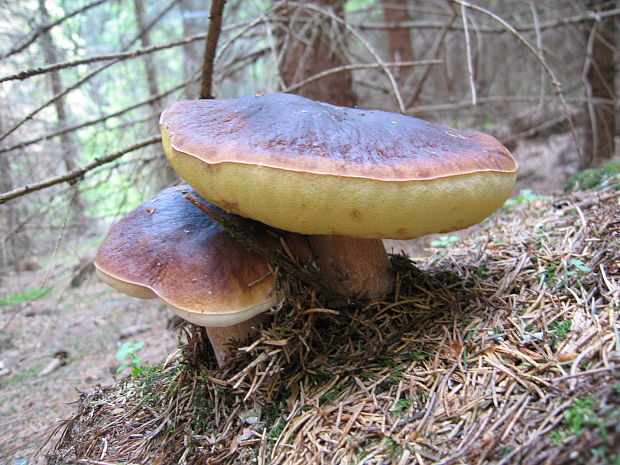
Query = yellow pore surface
x=311 y=203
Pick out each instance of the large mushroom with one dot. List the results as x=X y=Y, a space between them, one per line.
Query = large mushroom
x=168 y=248
x=346 y=177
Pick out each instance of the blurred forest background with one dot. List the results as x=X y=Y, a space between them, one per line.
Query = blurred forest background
x=82 y=84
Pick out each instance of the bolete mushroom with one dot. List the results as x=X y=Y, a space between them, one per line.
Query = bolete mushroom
x=346 y=177
x=168 y=248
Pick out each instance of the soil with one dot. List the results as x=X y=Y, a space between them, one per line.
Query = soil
x=65 y=342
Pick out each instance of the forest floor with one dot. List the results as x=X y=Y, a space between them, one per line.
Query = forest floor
x=65 y=341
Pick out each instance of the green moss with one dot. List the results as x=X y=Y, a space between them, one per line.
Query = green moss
x=560 y=327
x=591 y=178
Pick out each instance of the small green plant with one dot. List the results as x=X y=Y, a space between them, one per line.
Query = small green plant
x=403 y=403
x=479 y=273
x=126 y=355
x=580 y=268
x=416 y=355
x=525 y=196
x=444 y=241
x=28 y=296
x=505 y=451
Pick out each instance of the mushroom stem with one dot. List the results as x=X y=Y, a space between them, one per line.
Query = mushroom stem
x=357 y=268
x=225 y=340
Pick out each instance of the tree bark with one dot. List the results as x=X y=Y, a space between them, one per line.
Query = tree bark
x=311 y=43
x=399 y=41
x=599 y=77
x=192 y=25
x=15 y=243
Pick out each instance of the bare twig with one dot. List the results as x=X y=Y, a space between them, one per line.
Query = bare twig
x=470 y=59
x=338 y=69
x=77 y=173
x=203 y=207
x=213 y=36
x=94 y=59
x=415 y=24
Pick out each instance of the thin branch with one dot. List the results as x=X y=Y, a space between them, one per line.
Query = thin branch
x=236 y=64
x=93 y=59
x=554 y=80
x=75 y=85
x=46 y=27
x=203 y=207
x=539 y=45
x=86 y=78
x=494 y=99
x=252 y=234
x=581 y=18
x=470 y=58
x=76 y=174
x=102 y=119
x=338 y=69
x=213 y=36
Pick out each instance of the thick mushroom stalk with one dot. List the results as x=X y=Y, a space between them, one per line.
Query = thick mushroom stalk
x=357 y=268
x=325 y=171
x=167 y=248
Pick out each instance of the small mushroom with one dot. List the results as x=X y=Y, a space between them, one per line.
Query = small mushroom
x=347 y=177
x=179 y=254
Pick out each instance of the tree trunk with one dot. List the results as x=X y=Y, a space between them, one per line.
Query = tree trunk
x=145 y=41
x=165 y=176
x=399 y=41
x=14 y=242
x=599 y=76
x=313 y=43
x=193 y=23
x=67 y=144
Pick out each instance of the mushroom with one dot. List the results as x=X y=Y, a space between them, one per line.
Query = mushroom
x=168 y=248
x=345 y=176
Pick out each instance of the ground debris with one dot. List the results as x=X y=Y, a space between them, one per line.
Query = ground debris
x=500 y=349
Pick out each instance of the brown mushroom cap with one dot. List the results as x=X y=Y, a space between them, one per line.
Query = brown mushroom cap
x=168 y=248
x=315 y=168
